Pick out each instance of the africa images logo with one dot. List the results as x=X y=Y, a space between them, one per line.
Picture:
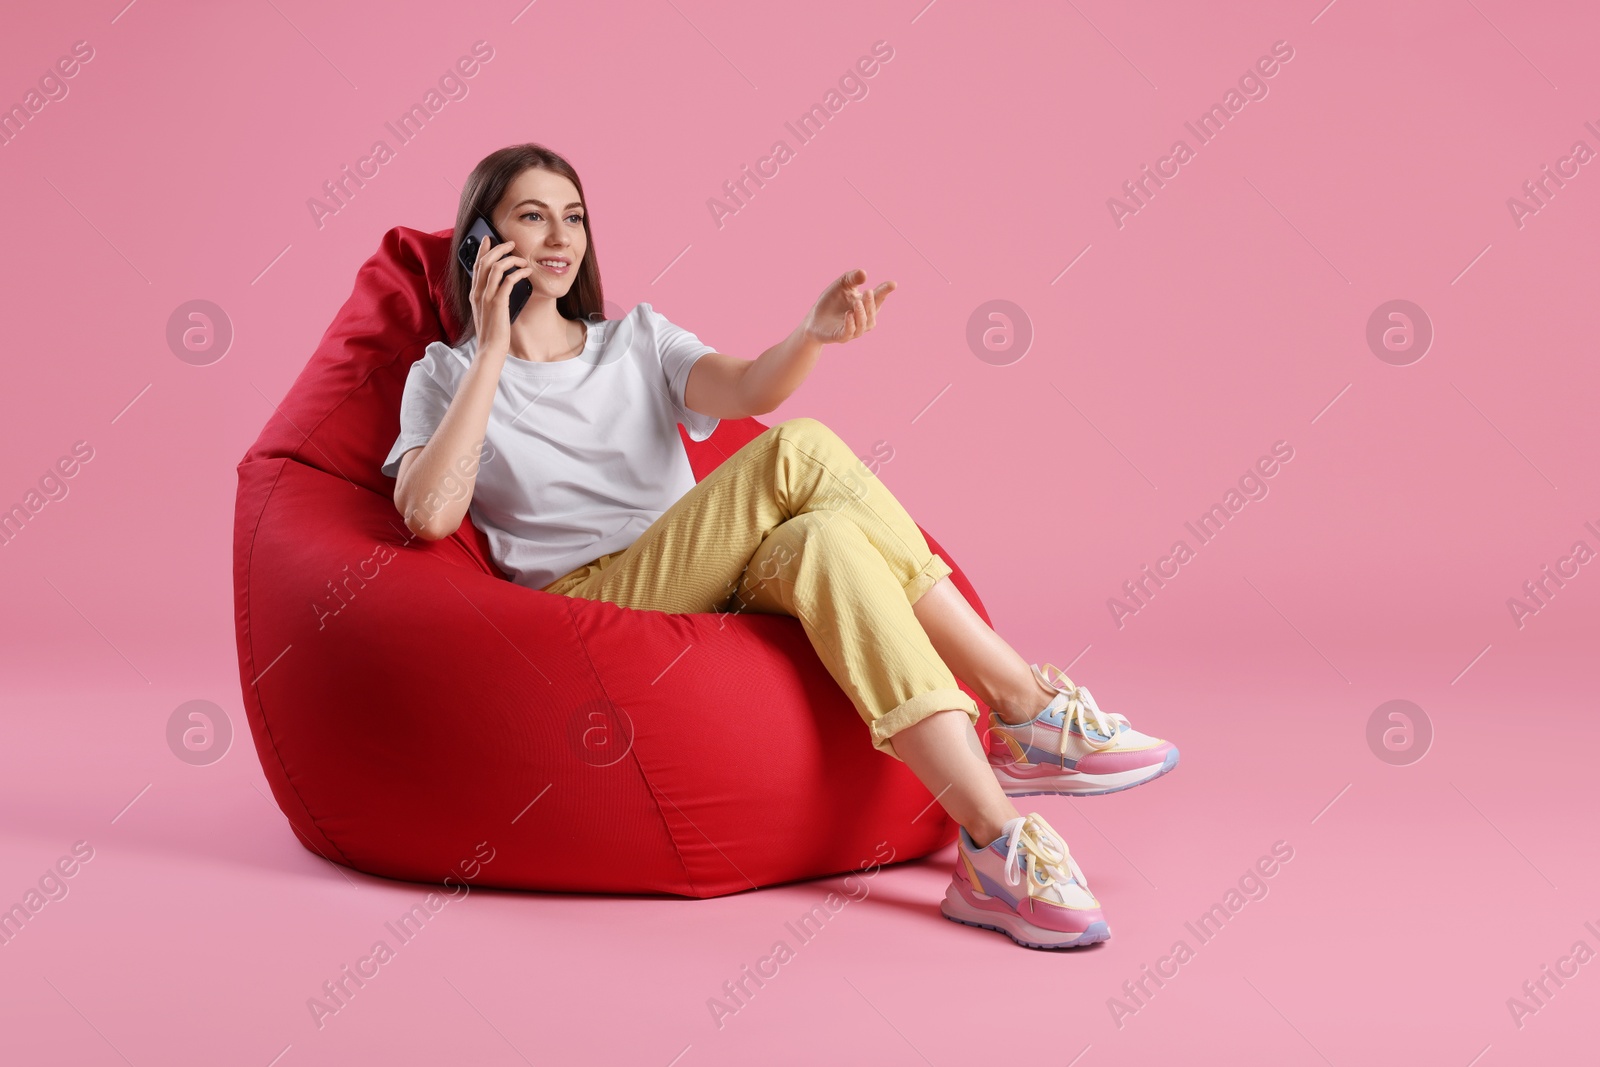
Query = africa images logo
x=1251 y=485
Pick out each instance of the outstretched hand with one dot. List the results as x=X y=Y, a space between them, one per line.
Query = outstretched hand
x=843 y=312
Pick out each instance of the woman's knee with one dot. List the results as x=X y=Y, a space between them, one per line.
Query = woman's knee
x=816 y=442
x=814 y=538
x=824 y=533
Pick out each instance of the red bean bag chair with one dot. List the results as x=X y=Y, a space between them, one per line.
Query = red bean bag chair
x=417 y=713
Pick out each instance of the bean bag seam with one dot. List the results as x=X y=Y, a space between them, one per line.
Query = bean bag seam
x=307 y=435
x=260 y=701
x=416 y=338
x=633 y=754
x=345 y=399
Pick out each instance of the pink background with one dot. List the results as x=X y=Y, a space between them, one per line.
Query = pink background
x=1223 y=317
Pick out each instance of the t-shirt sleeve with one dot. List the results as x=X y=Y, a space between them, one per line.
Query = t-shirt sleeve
x=429 y=389
x=679 y=349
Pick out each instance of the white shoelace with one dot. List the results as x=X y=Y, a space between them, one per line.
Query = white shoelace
x=1044 y=849
x=1079 y=707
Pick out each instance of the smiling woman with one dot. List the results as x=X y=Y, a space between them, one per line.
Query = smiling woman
x=529 y=194
x=592 y=497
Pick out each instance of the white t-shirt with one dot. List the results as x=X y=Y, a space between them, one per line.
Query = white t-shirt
x=580 y=455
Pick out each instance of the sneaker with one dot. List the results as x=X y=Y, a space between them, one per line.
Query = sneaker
x=1026 y=885
x=1073 y=748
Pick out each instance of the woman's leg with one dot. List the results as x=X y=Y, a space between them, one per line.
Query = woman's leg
x=820 y=568
x=1043 y=752
x=979 y=656
x=940 y=752
x=1013 y=873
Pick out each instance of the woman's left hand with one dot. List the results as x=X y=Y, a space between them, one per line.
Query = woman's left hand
x=843 y=313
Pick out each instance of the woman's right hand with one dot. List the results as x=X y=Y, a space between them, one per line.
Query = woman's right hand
x=491 y=299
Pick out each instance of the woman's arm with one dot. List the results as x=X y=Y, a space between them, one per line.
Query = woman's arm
x=727 y=387
x=433 y=487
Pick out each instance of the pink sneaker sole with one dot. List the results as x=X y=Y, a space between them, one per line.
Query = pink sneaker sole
x=962 y=906
x=1028 y=780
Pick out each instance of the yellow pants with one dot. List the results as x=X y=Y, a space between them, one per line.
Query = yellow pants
x=794 y=524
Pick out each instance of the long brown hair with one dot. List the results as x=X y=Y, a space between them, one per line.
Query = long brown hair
x=482 y=193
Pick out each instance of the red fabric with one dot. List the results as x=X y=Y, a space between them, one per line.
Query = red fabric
x=408 y=703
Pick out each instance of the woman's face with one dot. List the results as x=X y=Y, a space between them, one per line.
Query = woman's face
x=542 y=214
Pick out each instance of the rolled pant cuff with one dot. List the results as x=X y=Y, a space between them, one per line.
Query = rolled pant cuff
x=935 y=569
x=915 y=710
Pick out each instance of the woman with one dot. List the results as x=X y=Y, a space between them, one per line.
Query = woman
x=559 y=431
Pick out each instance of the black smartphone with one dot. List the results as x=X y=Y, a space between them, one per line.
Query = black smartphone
x=481 y=231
